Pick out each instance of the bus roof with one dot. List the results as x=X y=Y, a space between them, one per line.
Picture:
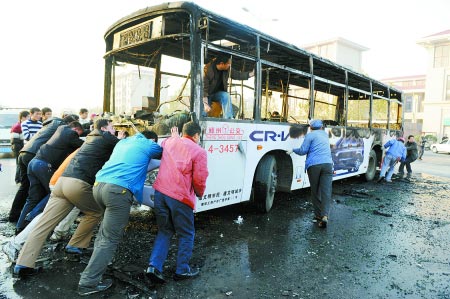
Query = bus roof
x=193 y=8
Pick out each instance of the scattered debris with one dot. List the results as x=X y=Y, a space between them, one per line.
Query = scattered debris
x=376 y=212
x=239 y=220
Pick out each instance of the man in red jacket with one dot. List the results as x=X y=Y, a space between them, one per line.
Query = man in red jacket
x=181 y=177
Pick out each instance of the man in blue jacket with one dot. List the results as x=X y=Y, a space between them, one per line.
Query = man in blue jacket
x=395 y=153
x=117 y=184
x=319 y=166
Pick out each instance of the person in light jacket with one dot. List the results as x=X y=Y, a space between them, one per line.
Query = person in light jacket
x=319 y=165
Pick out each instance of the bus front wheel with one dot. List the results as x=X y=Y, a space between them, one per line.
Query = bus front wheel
x=371 y=167
x=265 y=183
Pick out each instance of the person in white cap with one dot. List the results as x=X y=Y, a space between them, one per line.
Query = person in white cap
x=319 y=166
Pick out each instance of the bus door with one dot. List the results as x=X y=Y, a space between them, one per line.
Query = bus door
x=225 y=147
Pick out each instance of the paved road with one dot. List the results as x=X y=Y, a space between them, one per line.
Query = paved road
x=384 y=241
x=433 y=164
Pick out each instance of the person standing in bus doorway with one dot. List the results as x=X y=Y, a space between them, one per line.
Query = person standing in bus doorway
x=17 y=140
x=181 y=177
x=411 y=156
x=215 y=84
x=117 y=185
x=395 y=153
x=319 y=166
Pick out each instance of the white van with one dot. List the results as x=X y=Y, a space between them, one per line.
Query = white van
x=8 y=117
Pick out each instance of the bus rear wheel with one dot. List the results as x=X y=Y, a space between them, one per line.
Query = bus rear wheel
x=371 y=167
x=265 y=183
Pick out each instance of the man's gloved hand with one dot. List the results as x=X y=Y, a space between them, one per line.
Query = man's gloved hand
x=289 y=152
x=206 y=105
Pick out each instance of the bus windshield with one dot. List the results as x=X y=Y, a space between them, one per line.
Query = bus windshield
x=135 y=86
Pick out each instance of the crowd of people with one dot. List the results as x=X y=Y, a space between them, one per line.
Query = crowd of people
x=101 y=175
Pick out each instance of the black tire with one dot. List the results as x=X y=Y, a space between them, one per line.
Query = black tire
x=265 y=183
x=371 y=167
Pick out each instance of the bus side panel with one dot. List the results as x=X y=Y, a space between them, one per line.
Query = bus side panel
x=350 y=150
x=270 y=139
x=226 y=165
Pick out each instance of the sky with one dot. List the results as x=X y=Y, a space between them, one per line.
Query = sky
x=52 y=51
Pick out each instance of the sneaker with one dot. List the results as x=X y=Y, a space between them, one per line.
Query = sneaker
x=380 y=179
x=389 y=181
x=20 y=271
x=88 y=290
x=11 y=252
x=154 y=275
x=323 y=222
x=57 y=236
x=73 y=254
x=191 y=274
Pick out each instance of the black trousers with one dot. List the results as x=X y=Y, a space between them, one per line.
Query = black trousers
x=22 y=194
x=321 y=181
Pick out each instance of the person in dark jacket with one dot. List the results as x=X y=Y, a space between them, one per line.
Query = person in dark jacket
x=411 y=155
x=26 y=154
x=215 y=84
x=74 y=188
x=49 y=157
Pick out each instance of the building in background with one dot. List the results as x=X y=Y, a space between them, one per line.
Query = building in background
x=436 y=113
x=339 y=50
x=413 y=88
x=427 y=96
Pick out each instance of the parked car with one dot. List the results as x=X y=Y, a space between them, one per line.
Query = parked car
x=442 y=147
x=8 y=117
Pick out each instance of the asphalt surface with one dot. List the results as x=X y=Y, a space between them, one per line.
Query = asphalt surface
x=386 y=240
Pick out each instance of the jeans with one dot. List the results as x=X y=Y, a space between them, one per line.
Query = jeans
x=173 y=216
x=224 y=99
x=37 y=209
x=389 y=161
x=39 y=175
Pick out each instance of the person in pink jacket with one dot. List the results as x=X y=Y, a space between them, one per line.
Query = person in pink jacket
x=181 y=177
